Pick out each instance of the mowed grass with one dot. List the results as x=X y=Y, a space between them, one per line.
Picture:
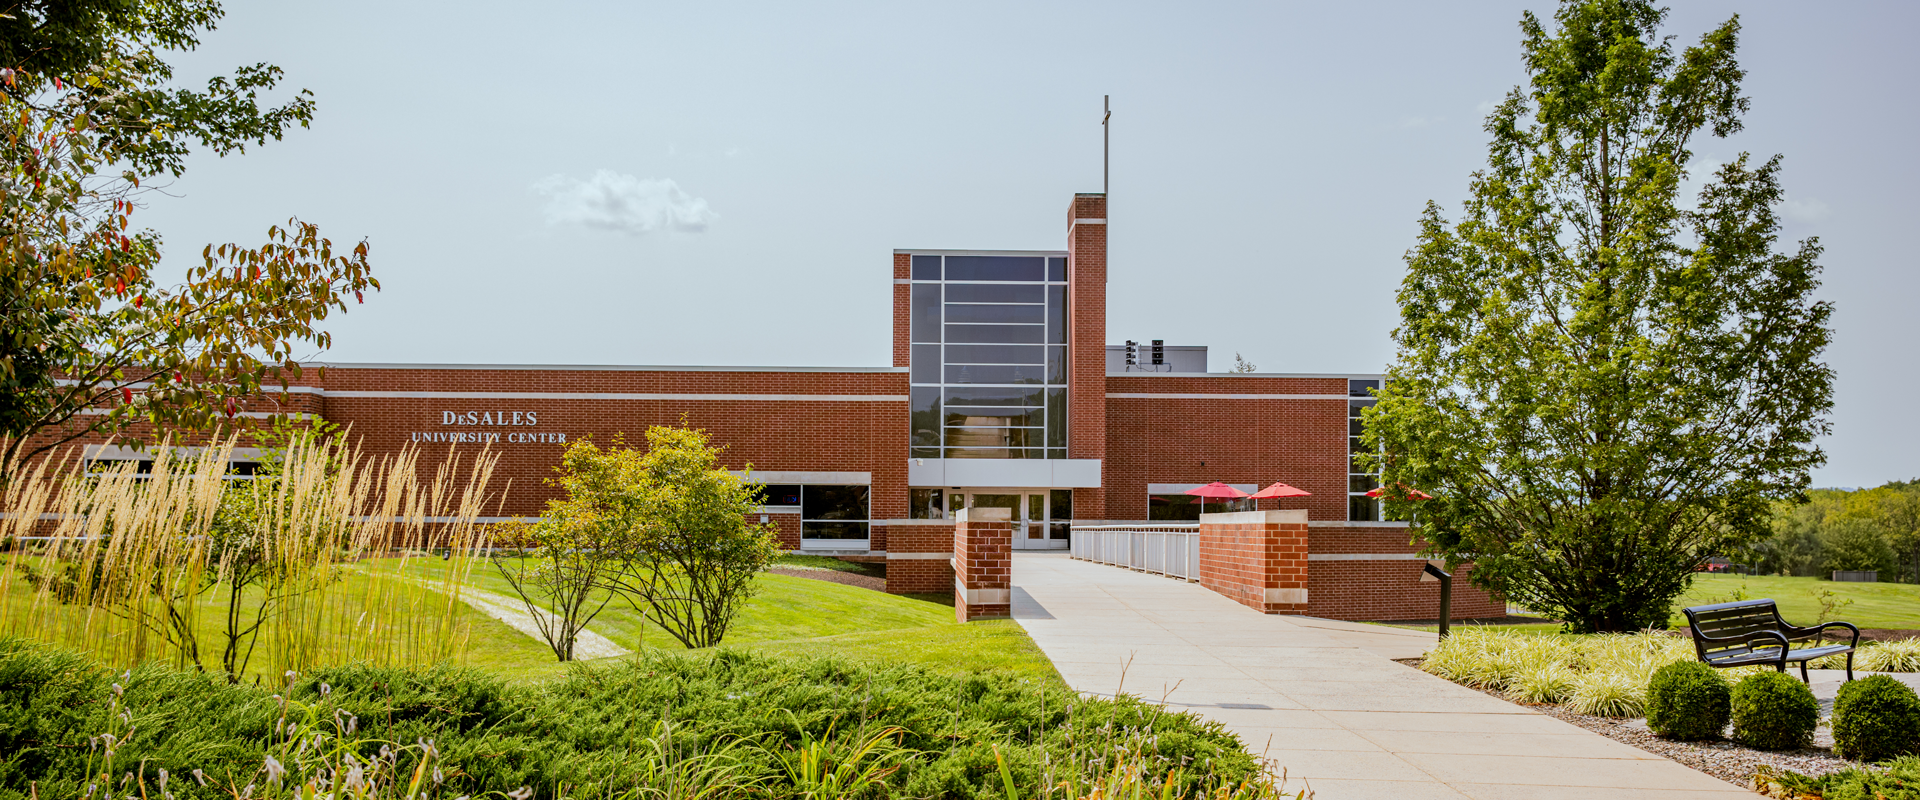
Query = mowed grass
x=1894 y=606
x=793 y=616
x=1875 y=605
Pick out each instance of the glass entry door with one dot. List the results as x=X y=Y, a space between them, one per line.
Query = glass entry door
x=1030 y=516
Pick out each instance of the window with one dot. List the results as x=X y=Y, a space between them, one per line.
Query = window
x=1060 y=510
x=1184 y=507
x=987 y=365
x=1360 y=507
x=781 y=494
x=833 y=512
x=926 y=504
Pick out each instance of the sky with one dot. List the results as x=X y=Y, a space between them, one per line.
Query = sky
x=724 y=183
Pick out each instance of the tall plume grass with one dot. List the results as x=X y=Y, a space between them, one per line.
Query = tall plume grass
x=313 y=564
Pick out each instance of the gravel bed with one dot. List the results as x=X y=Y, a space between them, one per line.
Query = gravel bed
x=862 y=580
x=1725 y=760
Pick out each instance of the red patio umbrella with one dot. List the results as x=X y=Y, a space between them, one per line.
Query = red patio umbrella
x=1281 y=490
x=1216 y=490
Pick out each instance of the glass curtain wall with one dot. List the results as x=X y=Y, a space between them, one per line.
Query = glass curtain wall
x=1360 y=507
x=989 y=356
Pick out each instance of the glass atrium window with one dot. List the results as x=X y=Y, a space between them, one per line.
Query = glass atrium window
x=988 y=370
x=1360 y=507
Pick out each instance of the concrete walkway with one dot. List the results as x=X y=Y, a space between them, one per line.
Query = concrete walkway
x=1323 y=698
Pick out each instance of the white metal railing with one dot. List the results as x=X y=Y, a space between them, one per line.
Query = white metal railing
x=1163 y=548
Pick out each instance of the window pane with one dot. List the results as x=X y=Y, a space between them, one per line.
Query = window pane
x=1061 y=503
x=1057 y=365
x=1036 y=507
x=833 y=530
x=996 y=268
x=996 y=334
x=992 y=437
x=1361 y=388
x=1355 y=427
x=1056 y=418
x=1056 y=315
x=994 y=354
x=923 y=452
x=1057 y=454
x=1361 y=508
x=1056 y=269
x=994 y=452
x=833 y=502
x=926 y=504
x=980 y=396
x=992 y=373
x=996 y=293
x=988 y=417
x=926 y=268
x=926 y=363
x=1361 y=483
x=781 y=494
x=962 y=312
x=1173 y=508
x=925 y=411
x=1354 y=445
x=926 y=312
x=1011 y=502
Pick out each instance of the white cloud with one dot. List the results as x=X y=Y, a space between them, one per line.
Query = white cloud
x=615 y=202
x=1804 y=211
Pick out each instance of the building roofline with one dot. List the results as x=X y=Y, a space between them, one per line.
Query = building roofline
x=592 y=367
x=1362 y=376
x=931 y=252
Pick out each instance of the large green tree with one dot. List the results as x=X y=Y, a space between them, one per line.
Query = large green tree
x=1601 y=381
x=90 y=342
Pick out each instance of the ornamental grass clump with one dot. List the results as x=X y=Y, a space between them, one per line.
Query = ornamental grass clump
x=1774 y=711
x=1875 y=719
x=1902 y=655
x=1608 y=694
x=1688 y=700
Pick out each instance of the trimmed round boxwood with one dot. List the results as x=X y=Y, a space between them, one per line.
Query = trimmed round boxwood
x=1875 y=719
x=1774 y=711
x=1688 y=700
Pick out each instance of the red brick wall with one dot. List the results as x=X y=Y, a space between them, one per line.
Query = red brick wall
x=1087 y=411
x=1377 y=589
x=1257 y=559
x=929 y=573
x=1178 y=438
x=983 y=558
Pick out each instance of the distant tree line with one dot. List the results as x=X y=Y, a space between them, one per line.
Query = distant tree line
x=1845 y=529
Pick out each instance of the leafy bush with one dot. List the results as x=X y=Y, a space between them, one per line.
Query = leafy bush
x=1774 y=711
x=730 y=724
x=1898 y=779
x=1688 y=700
x=1876 y=718
x=1608 y=694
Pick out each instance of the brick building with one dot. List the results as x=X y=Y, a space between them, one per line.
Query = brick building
x=1003 y=393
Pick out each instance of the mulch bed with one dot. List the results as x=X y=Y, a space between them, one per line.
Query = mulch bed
x=863 y=580
x=1725 y=760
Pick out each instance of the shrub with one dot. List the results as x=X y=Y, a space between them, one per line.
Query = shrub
x=1688 y=700
x=1897 y=656
x=723 y=719
x=1875 y=719
x=1608 y=694
x=1774 y=711
x=1898 y=779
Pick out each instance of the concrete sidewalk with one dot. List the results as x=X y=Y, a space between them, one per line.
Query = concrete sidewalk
x=1321 y=697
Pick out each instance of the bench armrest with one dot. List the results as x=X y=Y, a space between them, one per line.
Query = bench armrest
x=1815 y=630
x=1701 y=640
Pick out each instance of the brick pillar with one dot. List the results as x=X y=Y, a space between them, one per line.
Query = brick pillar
x=1087 y=342
x=982 y=564
x=1257 y=559
x=902 y=308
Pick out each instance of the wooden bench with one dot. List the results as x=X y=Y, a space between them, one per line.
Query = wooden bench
x=1750 y=632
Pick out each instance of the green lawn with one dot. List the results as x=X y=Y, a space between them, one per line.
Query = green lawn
x=1875 y=605
x=786 y=615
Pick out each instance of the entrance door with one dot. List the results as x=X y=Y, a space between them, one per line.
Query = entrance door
x=1030 y=516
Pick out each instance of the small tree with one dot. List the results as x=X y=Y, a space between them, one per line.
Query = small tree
x=1603 y=385
x=562 y=568
x=1241 y=365
x=692 y=553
